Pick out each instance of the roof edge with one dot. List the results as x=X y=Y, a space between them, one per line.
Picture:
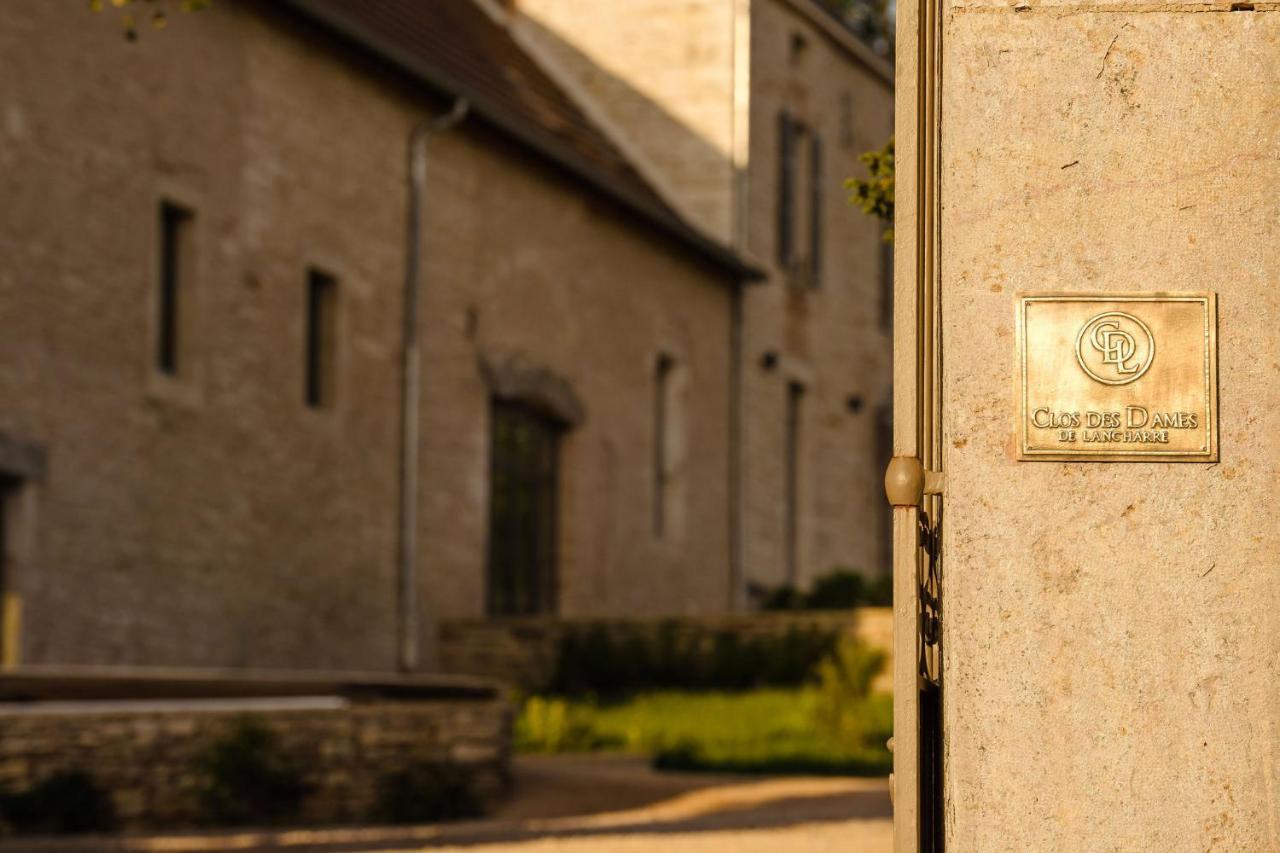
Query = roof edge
x=666 y=222
x=844 y=38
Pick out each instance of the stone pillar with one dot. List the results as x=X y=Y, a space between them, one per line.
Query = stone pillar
x=1110 y=629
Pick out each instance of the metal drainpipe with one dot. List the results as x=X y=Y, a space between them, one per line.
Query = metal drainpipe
x=737 y=454
x=411 y=388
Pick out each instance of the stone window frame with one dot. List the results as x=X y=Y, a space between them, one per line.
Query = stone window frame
x=800 y=200
x=514 y=378
x=184 y=387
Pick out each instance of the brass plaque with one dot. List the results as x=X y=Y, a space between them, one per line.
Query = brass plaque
x=1118 y=377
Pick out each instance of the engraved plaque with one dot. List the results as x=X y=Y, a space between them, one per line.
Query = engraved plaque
x=1118 y=377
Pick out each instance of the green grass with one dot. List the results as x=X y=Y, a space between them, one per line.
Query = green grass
x=775 y=730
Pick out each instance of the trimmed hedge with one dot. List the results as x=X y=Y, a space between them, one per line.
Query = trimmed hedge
x=617 y=659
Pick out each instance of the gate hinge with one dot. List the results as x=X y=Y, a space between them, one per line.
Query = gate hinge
x=906 y=481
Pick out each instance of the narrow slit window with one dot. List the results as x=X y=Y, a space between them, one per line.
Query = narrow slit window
x=321 y=338
x=175 y=258
x=786 y=188
x=816 y=202
x=661 y=441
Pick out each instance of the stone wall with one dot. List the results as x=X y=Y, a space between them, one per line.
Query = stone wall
x=662 y=73
x=214 y=519
x=148 y=759
x=523 y=652
x=830 y=339
x=697 y=87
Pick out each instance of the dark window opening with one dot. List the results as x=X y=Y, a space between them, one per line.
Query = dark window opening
x=661 y=464
x=175 y=251
x=816 y=199
x=846 y=120
x=9 y=487
x=787 y=132
x=321 y=338
x=797 y=47
x=800 y=201
x=523 y=523
x=791 y=486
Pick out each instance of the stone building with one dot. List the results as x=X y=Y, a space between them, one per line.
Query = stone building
x=211 y=450
x=748 y=115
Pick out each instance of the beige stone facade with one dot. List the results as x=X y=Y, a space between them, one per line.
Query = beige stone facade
x=695 y=90
x=212 y=518
x=1110 y=639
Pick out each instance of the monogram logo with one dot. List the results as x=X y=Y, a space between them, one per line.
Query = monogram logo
x=1115 y=348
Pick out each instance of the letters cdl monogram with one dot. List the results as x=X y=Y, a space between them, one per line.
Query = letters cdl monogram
x=1115 y=348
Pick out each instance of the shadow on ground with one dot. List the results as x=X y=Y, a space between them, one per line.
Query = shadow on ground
x=560 y=797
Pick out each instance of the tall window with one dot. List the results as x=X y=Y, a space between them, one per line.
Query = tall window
x=321 y=339
x=175 y=263
x=791 y=486
x=816 y=199
x=661 y=441
x=788 y=137
x=800 y=201
x=523 y=524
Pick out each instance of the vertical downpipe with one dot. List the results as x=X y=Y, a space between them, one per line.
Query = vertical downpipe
x=737 y=453
x=411 y=388
x=740 y=72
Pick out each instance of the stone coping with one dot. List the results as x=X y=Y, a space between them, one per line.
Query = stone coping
x=94 y=683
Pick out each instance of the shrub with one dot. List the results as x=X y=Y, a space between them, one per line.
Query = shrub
x=249 y=778
x=66 y=802
x=880 y=592
x=839 y=589
x=554 y=725
x=596 y=660
x=843 y=708
x=428 y=792
x=689 y=757
x=768 y=730
x=784 y=597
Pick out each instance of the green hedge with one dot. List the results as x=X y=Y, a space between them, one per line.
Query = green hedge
x=616 y=659
x=840 y=589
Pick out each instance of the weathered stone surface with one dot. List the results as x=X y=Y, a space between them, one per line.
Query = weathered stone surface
x=694 y=88
x=213 y=519
x=1111 y=631
x=149 y=762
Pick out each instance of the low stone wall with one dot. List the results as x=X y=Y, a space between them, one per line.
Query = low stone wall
x=522 y=652
x=149 y=760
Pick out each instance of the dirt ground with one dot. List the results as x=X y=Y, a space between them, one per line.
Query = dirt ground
x=590 y=804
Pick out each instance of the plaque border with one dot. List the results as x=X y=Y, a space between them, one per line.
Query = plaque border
x=1207 y=298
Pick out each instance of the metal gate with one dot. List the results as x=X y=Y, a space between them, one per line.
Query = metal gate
x=914 y=481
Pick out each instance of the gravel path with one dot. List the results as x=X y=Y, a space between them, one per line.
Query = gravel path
x=855 y=836
x=586 y=804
